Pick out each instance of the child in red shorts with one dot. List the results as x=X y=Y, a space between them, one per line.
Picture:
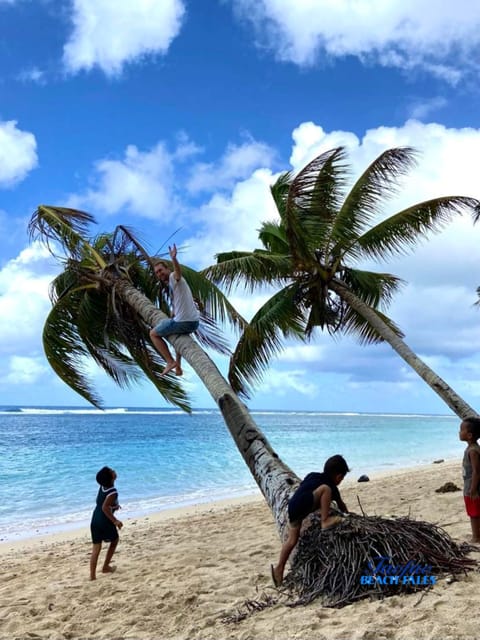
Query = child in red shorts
x=470 y=433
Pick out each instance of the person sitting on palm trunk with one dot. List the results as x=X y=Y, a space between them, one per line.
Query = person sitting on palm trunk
x=185 y=315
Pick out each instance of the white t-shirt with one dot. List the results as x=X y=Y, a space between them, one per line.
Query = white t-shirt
x=183 y=305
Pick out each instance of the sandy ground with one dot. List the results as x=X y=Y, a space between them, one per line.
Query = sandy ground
x=180 y=574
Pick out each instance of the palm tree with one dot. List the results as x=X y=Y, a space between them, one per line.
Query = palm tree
x=310 y=253
x=103 y=304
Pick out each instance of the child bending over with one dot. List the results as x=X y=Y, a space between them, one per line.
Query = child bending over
x=316 y=492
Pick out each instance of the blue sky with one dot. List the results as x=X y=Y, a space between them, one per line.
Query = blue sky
x=176 y=114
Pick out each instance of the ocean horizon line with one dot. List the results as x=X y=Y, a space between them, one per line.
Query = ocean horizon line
x=47 y=409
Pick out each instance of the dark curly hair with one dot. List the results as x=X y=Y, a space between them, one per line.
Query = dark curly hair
x=105 y=477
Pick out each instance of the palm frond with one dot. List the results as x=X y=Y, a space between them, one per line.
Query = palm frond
x=100 y=339
x=476 y=213
x=250 y=268
x=280 y=317
x=477 y=303
x=66 y=353
x=279 y=191
x=400 y=232
x=64 y=226
x=124 y=239
x=373 y=288
x=125 y=332
x=377 y=183
x=210 y=336
x=274 y=238
x=358 y=326
x=89 y=323
x=150 y=362
x=313 y=200
x=64 y=282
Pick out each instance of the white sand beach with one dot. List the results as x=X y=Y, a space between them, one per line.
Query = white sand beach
x=180 y=573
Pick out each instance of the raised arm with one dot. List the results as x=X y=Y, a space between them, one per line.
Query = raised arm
x=177 y=271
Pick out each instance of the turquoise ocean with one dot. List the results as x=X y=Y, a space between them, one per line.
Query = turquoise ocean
x=166 y=458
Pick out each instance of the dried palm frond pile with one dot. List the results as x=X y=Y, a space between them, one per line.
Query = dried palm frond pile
x=364 y=557
x=367 y=556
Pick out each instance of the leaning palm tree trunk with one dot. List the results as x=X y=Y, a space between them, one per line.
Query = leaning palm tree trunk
x=274 y=478
x=448 y=395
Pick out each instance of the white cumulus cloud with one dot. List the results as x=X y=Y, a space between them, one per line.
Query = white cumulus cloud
x=231 y=221
x=237 y=163
x=18 y=153
x=24 y=301
x=142 y=183
x=108 y=33
x=24 y=370
x=440 y=37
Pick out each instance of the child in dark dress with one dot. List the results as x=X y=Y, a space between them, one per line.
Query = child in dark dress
x=315 y=492
x=104 y=524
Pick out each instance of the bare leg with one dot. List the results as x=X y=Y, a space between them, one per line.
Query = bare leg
x=178 y=367
x=285 y=551
x=475 y=522
x=96 y=548
x=162 y=348
x=110 y=551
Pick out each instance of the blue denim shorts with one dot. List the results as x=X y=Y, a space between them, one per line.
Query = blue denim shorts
x=169 y=327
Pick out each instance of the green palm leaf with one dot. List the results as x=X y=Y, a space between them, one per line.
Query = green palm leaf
x=274 y=238
x=249 y=268
x=313 y=200
x=398 y=233
x=360 y=327
x=279 y=317
x=373 y=288
x=279 y=191
x=81 y=325
x=364 y=201
x=65 y=227
x=66 y=353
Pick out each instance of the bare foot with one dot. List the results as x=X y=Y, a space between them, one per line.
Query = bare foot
x=109 y=569
x=168 y=367
x=178 y=370
x=276 y=578
x=331 y=522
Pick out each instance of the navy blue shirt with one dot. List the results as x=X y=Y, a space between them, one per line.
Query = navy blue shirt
x=302 y=501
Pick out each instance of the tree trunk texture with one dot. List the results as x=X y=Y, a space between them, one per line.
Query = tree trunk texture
x=274 y=478
x=446 y=393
